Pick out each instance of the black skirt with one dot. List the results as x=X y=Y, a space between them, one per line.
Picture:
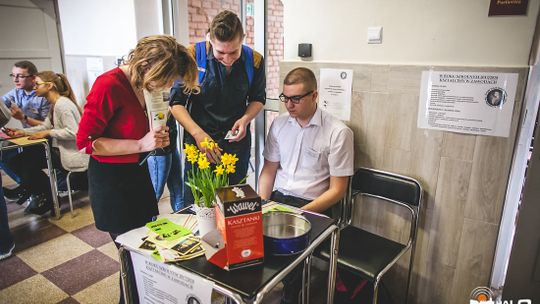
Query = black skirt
x=121 y=195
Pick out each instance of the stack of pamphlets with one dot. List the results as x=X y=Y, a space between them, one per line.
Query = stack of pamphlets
x=170 y=242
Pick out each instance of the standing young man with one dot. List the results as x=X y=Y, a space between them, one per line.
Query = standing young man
x=308 y=157
x=233 y=91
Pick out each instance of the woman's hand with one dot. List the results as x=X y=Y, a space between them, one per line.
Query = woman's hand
x=40 y=134
x=155 y=139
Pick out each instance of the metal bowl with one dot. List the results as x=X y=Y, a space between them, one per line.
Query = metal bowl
x=285 y=233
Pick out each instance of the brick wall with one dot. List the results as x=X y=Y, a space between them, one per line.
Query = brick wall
x=201 y=14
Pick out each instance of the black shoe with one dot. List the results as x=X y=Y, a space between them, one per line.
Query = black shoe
x=40 y=204
x=23 y=198
x=15 y=193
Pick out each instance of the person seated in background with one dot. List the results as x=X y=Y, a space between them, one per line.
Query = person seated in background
x=27 y=107
x=61 y=125
x=308 y=157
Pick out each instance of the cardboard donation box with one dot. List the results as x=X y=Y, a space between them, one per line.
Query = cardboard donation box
x=238 y=242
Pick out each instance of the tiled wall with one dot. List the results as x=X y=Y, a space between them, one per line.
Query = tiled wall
x=464 y=178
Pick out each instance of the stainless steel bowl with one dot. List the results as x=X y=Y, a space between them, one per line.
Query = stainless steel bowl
x=285 y=233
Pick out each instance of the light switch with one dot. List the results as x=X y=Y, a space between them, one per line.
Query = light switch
x=374 y=35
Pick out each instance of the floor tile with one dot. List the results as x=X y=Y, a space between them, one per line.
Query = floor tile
x=69 y=300
x=105 y=291
x=81 y=272
x=54 y=252
x=36 y=289
x=14 y=270
x=12 y=206
x=110 y=250
x=92 y=236
x=34 y=232
x=83 y=218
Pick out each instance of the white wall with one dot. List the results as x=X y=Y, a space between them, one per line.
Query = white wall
x=148 y=17
x=97 y=27
x=442 y=32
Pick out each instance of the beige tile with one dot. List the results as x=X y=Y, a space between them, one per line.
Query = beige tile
x=110 y=250
x=54 y=252
x=36 y=289
x=105 y=291
x=475 y=258
x=401 y=121
x=379 y=78
x=489 y=178
x=448 y=212
x=458 y=146
x=83 y=217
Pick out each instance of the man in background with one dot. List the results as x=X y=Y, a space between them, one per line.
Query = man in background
x=30 y=109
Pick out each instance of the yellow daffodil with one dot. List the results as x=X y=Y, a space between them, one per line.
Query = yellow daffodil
x=230 y=169
x=219 y=170
x=229 y=159
x=203 y=163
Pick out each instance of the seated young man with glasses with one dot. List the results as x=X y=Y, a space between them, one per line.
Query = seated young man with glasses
x=26 y=107
x=308 y=157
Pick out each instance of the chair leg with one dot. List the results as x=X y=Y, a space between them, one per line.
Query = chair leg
x=410 y=273
x=306 y=280
x=375 y=291
x=69 y=193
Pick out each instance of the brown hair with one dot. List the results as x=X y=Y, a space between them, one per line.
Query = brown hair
x=61 y=85
x=226 y=26
x=158 y=59
x=25 y=64
x=302 y=75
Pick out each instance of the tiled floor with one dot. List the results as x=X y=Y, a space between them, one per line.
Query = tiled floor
x=68 y=260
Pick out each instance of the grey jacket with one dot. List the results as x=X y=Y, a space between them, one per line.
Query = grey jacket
x=66 y=118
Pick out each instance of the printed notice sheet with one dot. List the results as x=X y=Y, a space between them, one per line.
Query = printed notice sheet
x=467 y=102
x=162 y=283
x=335 y=92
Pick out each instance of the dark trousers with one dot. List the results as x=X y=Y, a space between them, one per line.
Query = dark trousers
x=292 y=283
x=6 y=239
x=28 y=166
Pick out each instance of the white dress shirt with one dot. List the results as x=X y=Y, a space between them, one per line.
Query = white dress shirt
x=308 y=156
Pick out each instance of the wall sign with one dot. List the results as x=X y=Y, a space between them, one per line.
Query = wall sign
x=335 y=92
x=508 y=7
x=467 y=102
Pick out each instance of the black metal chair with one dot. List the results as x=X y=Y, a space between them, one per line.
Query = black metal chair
x=369 y=255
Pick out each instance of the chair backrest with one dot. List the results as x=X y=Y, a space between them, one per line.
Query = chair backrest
x=398 y=189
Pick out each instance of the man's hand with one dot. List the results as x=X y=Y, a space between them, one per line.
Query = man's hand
x=155 y=139
x=40 y=134
x=14 y=132
x=16 y=112
x=213 y=155
x=239 y=128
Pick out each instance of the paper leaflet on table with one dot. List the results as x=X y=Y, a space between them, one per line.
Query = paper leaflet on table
x=273 y=206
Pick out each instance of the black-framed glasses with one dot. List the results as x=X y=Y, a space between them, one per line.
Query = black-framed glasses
x=19 y=76
x=294 y=99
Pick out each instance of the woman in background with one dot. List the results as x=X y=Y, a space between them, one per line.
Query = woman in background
x=61 y=125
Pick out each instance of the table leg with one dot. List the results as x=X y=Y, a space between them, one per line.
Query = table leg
x=334 y=246
x=52 y=179
x=306 y=280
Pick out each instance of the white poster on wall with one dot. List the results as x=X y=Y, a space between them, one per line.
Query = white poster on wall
x=94 y=68
x=478 y=103
x=161 y=283
x=335 y=92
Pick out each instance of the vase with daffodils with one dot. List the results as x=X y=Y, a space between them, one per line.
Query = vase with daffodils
x=204 y=178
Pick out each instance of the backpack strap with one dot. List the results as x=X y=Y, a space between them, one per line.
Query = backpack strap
x=200 y=57
x=248 y=62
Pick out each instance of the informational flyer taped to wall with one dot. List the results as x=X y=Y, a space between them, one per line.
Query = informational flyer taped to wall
x=161 y=283
x=335 y=92
x=467 y=102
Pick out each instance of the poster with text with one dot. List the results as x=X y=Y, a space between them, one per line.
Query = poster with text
x=478 y=103
x=162 y=283
x=335 y=92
